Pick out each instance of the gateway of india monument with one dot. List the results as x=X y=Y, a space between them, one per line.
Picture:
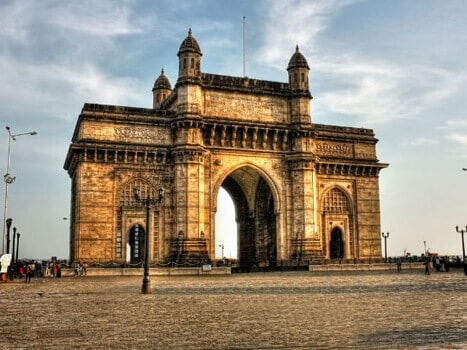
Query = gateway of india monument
x=147 y=179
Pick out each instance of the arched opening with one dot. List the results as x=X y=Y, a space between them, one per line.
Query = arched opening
x=136 y=243
x=255 y=218
x=338 y=238
x=226 y=227
x=336 y=245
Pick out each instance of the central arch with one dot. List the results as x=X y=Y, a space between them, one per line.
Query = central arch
x=255 y=209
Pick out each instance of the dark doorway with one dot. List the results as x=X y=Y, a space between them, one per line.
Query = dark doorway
x=136 y=242
x=337 y=244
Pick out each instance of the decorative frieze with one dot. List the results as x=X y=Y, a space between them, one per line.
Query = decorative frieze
x=339 y=149
x=336 y=169
x=141 y=134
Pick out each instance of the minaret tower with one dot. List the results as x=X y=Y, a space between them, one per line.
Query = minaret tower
x=189 y=58
x=298 y=80
x=191 y=216
x=301 y=161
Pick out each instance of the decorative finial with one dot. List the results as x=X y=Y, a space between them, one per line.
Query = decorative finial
x=189 y=31
x=296 y=48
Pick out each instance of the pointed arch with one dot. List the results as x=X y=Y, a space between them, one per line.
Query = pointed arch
x=269 y=180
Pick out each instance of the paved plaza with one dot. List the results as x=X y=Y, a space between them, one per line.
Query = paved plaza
x=287 y=310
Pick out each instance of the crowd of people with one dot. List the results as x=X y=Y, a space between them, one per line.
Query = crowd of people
x=31 y=269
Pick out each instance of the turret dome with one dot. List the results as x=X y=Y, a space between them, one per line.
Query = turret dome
x=162 y=82
x=189 y=45
x=297 y=60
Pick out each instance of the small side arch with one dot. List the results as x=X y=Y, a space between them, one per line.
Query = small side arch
x=337 y=217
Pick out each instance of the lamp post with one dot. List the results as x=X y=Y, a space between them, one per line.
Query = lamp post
x=148 y=202
x=462 y=231
x=17 y=245
x=13 y=250
x=9 y=179
x=222 y=247
x=385 y=236
x=8 y=225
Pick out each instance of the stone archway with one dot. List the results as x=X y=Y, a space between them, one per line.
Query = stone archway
x=255 y=215
x=253 y=137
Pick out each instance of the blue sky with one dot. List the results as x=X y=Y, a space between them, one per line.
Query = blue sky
x=397 y=67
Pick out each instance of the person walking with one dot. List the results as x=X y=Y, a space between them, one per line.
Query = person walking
x=427 y=266
x=27 y=270
x=399 y=264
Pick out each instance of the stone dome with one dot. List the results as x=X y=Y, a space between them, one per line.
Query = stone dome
x=162 y=82
x=297 y=60
x=189 y=45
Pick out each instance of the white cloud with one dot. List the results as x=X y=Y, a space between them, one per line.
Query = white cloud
x=455 y=123
x=295 y=22
x=421 y=141
x=62 y=87
x=368 y=90
x=98 y=18
x=459 y=138
x=381 y=92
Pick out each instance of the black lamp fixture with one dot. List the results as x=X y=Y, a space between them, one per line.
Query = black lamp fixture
x=462 y=231
x=385 y=236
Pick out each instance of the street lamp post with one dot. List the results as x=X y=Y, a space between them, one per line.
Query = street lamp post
x=13 y=250
x=462 y=231
x=385 y=236
x=222 y=247
x=148 y=202
x=9 y=179
x=8 y=225
x=17 y=245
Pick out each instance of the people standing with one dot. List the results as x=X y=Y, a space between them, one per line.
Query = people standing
x=399 y=264
x=427 y=266
x=27 y=270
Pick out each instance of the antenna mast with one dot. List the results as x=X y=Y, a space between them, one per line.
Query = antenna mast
x=244 y=70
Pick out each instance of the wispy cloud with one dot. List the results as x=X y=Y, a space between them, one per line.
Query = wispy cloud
x=61 y=88
x=57 y=53
x=103 y=18
x=459 y=138
x=421 y=141
x=295 y=22
x=381 y=92
x=367 y=89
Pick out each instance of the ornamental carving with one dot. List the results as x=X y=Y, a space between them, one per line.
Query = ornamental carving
x=333 y=148
x=141 y=134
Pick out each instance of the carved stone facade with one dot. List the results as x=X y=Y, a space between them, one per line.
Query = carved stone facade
x=302 y=191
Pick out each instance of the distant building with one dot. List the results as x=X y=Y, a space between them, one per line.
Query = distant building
x=302 y=191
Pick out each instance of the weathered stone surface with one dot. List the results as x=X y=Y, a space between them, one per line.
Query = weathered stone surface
x=299 y=310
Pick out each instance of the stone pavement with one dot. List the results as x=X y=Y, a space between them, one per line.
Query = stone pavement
x=286 y=310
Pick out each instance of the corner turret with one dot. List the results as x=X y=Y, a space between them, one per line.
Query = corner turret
x=298 y=81
x=189 y=58
x=161 y=90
